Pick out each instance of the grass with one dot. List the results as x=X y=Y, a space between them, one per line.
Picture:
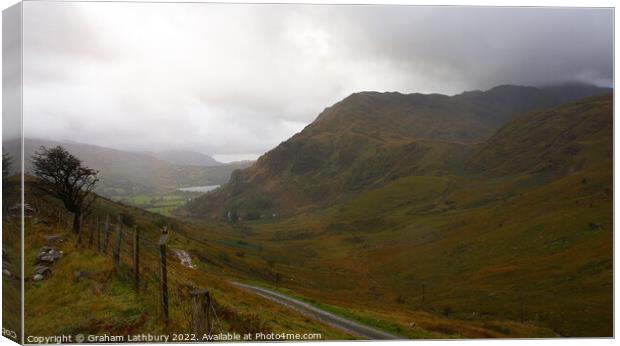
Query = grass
x=164 y=204
x=425 y=325
x=482 y=255
x=368 y=319
x=105 y=301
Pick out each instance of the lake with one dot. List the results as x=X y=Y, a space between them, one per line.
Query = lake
x=205 y=188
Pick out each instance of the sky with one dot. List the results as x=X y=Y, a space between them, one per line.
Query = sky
x=233 y=81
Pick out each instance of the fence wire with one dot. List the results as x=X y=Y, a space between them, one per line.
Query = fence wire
x=101 y=234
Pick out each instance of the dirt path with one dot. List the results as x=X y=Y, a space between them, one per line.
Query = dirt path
x=304 y=308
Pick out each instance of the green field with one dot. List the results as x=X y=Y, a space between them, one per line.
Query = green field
x=164 y=204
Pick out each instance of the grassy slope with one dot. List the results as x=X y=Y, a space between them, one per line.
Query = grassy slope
x=528 y=239
x=11 y=286
x=106 y=302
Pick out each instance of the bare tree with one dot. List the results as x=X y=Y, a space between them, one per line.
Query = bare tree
x=63 y=176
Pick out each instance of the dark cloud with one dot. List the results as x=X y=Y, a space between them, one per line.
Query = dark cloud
x=235 y=80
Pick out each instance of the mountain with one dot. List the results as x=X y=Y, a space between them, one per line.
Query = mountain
x=518 y=228
x=371 y=138
x=186 y=158
x=131 y=173
x=558 y=140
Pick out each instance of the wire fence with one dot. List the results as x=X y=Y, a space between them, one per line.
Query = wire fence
x=151 y=264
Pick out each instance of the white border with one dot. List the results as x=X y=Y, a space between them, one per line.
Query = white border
x=505 y=3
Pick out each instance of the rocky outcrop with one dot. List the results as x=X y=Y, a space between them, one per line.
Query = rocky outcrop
x=46 y=257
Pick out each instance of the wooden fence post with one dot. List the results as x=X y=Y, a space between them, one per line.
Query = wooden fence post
x=201 y=312
x=117 y=250
x=80 y=228
x=163 y=275
x=136 y=257
x=92 y=231
x=107 y=234
x=98 y=238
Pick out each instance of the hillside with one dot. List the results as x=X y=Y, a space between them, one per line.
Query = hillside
x=521 y=232
x=126 y=173
x=369 y=139
x=109 y=303
x=560 y=140
x=83 y=291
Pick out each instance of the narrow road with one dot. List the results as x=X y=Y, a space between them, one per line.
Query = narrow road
x=351 y=327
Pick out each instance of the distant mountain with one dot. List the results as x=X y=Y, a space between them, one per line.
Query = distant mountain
x=370 y=138
x=131 y=173
x=186 y=158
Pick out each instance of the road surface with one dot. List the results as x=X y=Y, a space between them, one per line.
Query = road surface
x=351 y=327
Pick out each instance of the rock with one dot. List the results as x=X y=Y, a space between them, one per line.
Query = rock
x=48 y=255
x=185 y=258
x=45 y=258
x=43 y=270
x=412 y=325
x=38 y=277
x=54 y=239
x=6 y=272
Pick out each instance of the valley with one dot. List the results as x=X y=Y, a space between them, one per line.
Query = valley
x=512 y=228
x=149 y=180
x=479 y=215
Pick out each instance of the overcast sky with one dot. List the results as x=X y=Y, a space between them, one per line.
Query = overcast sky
x=235 y=80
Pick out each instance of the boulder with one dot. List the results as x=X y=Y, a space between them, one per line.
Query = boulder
x=48 y=255
x=38 y=277
x=43 y=270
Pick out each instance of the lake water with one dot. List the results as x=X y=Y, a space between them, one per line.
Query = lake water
x=205 y=188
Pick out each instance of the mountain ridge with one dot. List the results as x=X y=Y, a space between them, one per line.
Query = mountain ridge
x=186 y=158
x=369 y=138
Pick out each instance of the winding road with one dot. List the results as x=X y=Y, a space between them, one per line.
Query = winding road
x=351 y=327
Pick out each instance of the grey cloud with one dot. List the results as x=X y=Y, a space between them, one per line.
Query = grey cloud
x=235 y=80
